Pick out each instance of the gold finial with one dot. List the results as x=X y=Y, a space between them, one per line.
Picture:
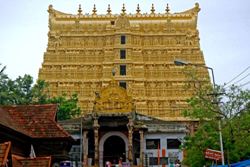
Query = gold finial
x=152 y=9
x=138 y=9
x=197 y=7
x=79 y=10
x=50 y=9
x=109 y=10
x=167 y=9
x=94 y=10
x=123 y=9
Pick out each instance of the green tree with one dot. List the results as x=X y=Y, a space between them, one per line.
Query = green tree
x=205 y=137
x=67 y=106
x=39 y=95
x=22 y=91
x=232 y=106
x=16 y=91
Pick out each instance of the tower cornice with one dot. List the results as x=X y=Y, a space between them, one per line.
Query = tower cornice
x=187 y=14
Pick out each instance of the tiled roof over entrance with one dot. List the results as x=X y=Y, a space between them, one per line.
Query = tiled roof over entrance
x=36 y=121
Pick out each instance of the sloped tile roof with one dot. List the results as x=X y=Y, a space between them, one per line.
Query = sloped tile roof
x=36 y=121
x=31 y=162
x=4 y=151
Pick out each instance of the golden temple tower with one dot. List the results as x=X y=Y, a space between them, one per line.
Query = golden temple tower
x=84 y=49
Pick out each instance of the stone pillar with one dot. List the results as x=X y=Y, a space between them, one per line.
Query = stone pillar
x=130 y=144
x=96 y=137
x=141 y=147
x=85 y=148
x=130 y=126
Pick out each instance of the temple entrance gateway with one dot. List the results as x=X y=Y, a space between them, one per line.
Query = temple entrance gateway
x=113 y=145
x=114 y=150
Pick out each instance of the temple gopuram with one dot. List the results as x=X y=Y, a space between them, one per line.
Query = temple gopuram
x=84 y=49
x=130 y=90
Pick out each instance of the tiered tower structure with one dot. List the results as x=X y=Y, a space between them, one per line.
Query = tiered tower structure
x=84 y=49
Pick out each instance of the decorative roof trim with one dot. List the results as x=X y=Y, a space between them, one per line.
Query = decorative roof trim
x=183 y=15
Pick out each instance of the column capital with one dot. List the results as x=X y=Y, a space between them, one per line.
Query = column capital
x=96 y=124
x=141 y=131
x=130 y=124
x=85 y=132
x=96 y=127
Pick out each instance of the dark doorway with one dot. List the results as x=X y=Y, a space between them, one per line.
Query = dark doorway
x=114 y=150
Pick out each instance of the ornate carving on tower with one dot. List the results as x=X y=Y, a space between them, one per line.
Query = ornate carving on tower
x=113 y=99
x=122 y=22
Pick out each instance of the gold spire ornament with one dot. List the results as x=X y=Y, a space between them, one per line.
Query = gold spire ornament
x=123 y=9
x=109 y=10
x=167 y=9
x=152 y=9
x=94 y=10
x=138 y=9
x=79 y=10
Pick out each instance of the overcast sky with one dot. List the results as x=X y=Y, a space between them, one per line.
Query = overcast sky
x=224 y=27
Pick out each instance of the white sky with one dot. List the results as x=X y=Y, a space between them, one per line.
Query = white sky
x=224 y=27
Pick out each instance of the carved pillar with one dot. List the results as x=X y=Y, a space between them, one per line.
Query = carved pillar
x=85 y=148
x=141 y=147
x=130 y=126
x=96 y=137
x=130 y=144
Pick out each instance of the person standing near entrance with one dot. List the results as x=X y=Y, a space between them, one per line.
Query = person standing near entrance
x=171 y=164
x=177 y=163
x=120 y=162
x=108 y=164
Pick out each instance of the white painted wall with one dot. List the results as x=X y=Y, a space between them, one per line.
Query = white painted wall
x=163 y=140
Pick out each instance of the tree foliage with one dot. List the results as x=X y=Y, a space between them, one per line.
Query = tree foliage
x=67 y=106
x=232 y=106
x=205 y=137
x=21 y=91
